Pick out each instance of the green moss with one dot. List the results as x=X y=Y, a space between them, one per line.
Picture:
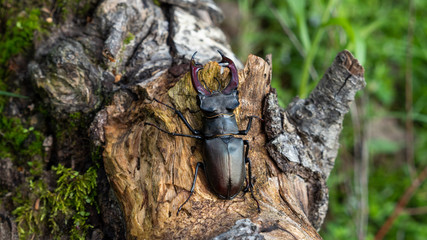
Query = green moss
x=58 y=212
x=73 y=192
x=66 y=128
x=40 y=209
x=96 y=155
x=31 y=213
x=75 y=115
x=74 y=119
x=19 y=142
x=73 y=8
x=20 y=32
x=129 y=37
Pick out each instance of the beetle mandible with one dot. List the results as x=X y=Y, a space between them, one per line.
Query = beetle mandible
x=224 y=156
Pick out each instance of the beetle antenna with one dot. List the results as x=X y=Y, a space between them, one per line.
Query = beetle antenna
x=194 y=54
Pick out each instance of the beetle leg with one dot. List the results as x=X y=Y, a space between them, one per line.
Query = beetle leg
x=248 y=127
x=195 y=132
x=174 y=134
x=192 y=187
x=250 y=185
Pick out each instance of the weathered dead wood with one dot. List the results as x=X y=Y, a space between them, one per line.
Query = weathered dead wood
x=152 y=172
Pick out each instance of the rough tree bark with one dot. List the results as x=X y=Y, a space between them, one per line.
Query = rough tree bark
x=134 y=51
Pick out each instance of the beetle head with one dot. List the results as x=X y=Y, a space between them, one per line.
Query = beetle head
x=219 y=101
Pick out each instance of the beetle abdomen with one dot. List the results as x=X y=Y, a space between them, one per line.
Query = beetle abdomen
x=225 y=165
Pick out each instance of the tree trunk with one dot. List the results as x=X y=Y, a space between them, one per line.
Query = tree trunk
x=134 y=51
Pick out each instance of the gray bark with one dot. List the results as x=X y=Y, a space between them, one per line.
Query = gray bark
x=304 y=138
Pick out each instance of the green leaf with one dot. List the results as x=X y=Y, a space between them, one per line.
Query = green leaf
x=9 y=94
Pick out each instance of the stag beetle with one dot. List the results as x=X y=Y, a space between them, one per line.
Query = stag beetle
x=224 y=156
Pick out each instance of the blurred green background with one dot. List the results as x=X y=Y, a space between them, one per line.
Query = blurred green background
x=383 y=143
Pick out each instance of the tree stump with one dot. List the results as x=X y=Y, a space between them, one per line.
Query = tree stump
x=292 y=153
x=134 y=51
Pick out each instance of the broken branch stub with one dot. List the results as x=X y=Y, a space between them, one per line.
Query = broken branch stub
x=304 y=138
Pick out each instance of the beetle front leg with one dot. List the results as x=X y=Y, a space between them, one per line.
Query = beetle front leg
x=249 y=186
x=192 y=187
x=248 y=127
